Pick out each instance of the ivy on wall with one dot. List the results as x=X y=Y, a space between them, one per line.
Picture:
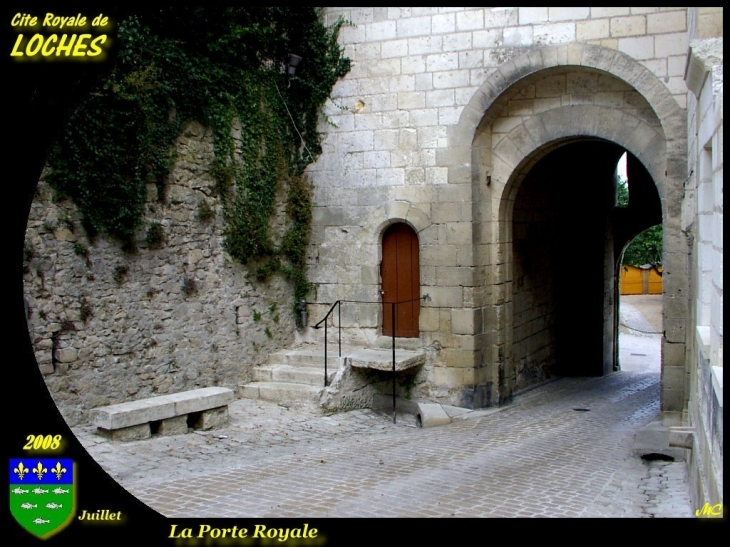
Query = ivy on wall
x=226 y=69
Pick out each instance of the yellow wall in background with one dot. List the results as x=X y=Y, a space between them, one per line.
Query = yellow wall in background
x=640 y=281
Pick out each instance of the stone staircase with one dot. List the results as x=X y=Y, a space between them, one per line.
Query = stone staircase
x=296 y=375
x=291 y=375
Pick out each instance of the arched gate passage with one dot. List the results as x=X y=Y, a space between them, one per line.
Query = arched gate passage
x=567 y=233
x=534 y=105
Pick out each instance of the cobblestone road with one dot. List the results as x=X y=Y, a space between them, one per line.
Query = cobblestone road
x=538 y=457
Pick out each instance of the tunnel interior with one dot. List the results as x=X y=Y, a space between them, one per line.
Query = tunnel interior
x=568 y=233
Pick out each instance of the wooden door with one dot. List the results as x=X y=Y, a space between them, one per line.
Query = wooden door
x=401 y=280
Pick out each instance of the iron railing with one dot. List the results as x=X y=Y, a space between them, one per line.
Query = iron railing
x=338 y=305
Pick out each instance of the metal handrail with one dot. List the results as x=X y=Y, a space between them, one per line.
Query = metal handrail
x=338 y=304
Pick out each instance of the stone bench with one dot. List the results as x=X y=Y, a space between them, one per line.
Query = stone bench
x=172 y=414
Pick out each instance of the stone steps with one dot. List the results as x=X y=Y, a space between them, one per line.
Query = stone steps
x=297 y=374
x=291 y=375
x=280 y=392
x=305 y=357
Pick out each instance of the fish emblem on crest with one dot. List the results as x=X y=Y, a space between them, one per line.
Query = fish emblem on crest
x=43 y=494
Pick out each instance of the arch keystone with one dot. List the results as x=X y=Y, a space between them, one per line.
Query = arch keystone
x=575 y=54
x=397 y=210
x=417 y=218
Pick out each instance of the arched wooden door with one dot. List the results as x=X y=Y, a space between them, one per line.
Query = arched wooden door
x=401 y=280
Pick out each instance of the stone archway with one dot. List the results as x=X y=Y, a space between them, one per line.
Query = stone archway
x=546 y=134
x=500 y=163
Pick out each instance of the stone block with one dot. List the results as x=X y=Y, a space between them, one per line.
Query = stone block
x=198 y=400
x=672 y=21
x=592 y=30
x=450 y=212
x=532 y=15
x=429 y=320
x=464 y=251
x=454 y=193
x=431 y=414
x=672 y=399
x=443 y=23
x=64 y=234
x=652 y=438
x=173 y=426
x=709 y=23
x=449 y=377
x=132 y=413
x=518 y=36
x=411 y=100
x=428 y=276
x=381 y=30
x=609 y=12
x=675 y=306
x=466 y=321
x=568 y=14
x=383 y=359
x=248 y=392
x=438 y=255
x=455 y=276
x=681 y=437
x=369 y=275
x=359 y=141
x=675 y=330
x=368 y=315
x=458 y=233
x=670 y=44
x=470 y=20
x=160 y=408
x=458 y=358
x=210 y=419
x=67 y=355
x=418 y=218
x=125 y=434
x=397 y=210
x=628 y=26
x=673 y=377
x=557 y=33
x=640 y=48
x=446 y=297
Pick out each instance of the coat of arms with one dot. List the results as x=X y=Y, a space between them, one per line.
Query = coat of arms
x=42 y=494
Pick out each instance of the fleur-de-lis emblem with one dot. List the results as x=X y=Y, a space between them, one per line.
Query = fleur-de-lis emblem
x=58 y=470
x=21 y=471
x=39 y=470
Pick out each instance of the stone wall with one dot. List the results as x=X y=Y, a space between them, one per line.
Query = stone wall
x=702 y=220
x=108 y=327
x=535 y=272
x=443 y=113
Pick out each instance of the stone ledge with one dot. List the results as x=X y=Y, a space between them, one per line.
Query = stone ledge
x=383 y=359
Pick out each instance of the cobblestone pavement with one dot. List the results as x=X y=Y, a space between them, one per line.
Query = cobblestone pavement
x=538 y=457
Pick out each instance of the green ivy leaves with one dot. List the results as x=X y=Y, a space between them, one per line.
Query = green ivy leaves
x=220 y=67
